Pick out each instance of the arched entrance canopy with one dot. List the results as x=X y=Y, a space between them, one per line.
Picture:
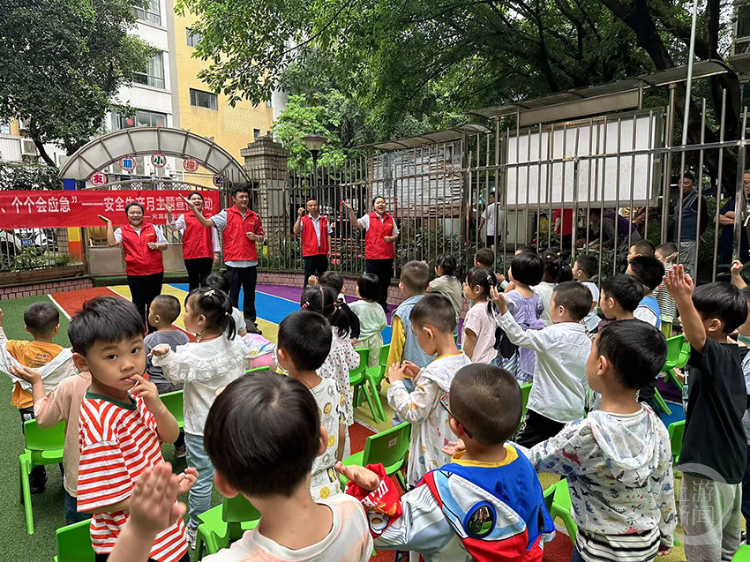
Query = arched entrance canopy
x=109 y=148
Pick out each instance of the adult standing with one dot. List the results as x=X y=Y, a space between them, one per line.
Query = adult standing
x=488 y=217
x=380 y=234
x=692 y=224
x=142 y=244
x=201 y=247
x=726 y=221
x=242 y=231
x=316 y=239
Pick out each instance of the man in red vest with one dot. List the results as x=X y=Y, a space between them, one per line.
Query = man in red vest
x=142 y=244
x=316 y=239
x=242 y=231
x=380 y=234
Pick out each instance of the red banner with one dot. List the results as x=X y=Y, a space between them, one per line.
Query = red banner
x=53 y=209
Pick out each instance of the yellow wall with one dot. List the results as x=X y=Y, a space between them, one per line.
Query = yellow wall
x=230 y=127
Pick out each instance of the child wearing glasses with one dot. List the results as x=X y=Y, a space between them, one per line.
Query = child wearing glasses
x=485 y=504
x=433 y=321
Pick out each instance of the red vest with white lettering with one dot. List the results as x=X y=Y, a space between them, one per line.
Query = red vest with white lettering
x=139 y=259
x=310 y=244
x=376 y=248
x=237 y=246
x=197 y=240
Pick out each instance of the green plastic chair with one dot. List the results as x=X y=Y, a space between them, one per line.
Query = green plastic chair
x=175 y=404
x=223 y=524
x=360 y=382
x=43 y=447
x=525 y=391
x=676 y=434
x=743 y=554
x=678 y=353
x=257 y=370
x=557 y=498
x=377 y=373
x=662 y=403
x=388 y=448
x=74 y=543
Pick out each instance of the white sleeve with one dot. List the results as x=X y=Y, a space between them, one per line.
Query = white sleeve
x=160 y=236
x=395 y=228
x=645 y=314
x=118 y=235
x=178 y=225
x=364 y=222
x=220 y=220
x=216 y=241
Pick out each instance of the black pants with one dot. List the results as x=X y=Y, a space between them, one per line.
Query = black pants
x=38 y=475
x=144 y=289
x=243 y=278
x=198 y=269
x=105 y=557
x=383 y=269
x=536 y=429
x=315 y=265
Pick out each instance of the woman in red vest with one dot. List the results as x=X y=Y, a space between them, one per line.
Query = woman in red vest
x=316 y=239
x=380 y=234
x=142 y=244
x=200 y=245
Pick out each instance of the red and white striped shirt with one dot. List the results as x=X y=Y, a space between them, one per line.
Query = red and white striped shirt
x=118 y=441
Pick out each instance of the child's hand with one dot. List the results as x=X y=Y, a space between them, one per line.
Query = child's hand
x=679 y=375
x=312 y=280
x=29 y=375
x=153 y=504
x=737 y=266
x=395 y=373
x=159 y=350
x=499 y=299
x=148 y=392
x=664 y=550
x=186 y=480
x=361 y=476
x=500 y=278
x=679 y=284
x=354 y=340
x=411 y=369
x=454 y=447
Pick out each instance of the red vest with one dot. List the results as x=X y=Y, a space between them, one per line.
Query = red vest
x=310 y=245
x=197 y=240
x=237 y=246
x=139 y=259
x=376 y=248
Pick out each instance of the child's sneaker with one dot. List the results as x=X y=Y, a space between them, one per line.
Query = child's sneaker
x=192 y=535
x=179 y=452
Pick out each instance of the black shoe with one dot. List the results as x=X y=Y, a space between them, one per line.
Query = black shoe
x=37 y=481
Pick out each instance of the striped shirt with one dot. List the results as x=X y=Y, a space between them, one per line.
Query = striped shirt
x=633 y=547
x=118 y=441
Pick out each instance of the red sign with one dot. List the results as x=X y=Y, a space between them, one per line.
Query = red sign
x=98 y=178
x=59 y=209
x=190 y=164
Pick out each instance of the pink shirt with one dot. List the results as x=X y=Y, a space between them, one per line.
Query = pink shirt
x=483 y=325
x=64 y=404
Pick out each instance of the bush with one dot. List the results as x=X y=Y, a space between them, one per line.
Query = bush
x=28 y=177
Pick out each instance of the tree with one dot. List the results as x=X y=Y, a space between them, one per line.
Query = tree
x=62 y=63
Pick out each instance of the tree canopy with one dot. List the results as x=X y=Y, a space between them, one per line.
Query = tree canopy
x=62 y=63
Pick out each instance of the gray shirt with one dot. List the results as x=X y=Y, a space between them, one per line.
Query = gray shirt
x=173 y=339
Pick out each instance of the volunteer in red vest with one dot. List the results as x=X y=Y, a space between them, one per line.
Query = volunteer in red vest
x=142 y=243
x=201 y=248
x=316 y=239
x=242 y=231
x=380 y=234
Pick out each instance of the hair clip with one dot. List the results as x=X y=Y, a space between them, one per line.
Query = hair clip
x=209 y=293
x=227 y=314
x=489 y=278
x=305 y=304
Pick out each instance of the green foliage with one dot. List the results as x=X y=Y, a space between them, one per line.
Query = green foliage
x=28 y=176
x=62 y=63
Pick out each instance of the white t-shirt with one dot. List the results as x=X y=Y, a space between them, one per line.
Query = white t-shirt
x=645 y=314
x=325 y=481
x=348 y=541
x=159 y=236
x=545 y=290
x=483 y=325
x=591 y=321
x=365 y=223
x=489 y=216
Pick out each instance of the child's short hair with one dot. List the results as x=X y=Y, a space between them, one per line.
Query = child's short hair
x=588 y=263
x=648 y=270
x=667 y=249
x=527 y=268
x=643 y=247
x=576 y=299
x=626 y=290
x=723 y=301
x=217 y=281
x=436 y=310
x=369 y=286
x=524 y=249
x=104 y=319
x=485 y=257
x=306 y=337
x=449 y=265
x=41 y=318
x=332 y=279
x=166 y=306
x=262 y=434
x=636 y=350
x=486 y=400
x=415 y=275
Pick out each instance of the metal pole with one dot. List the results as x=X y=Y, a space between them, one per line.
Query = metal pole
x=689 y=84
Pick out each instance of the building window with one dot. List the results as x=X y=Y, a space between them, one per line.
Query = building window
x=141 y=118
x=154 y=75
x=151 y=13
x=4 y=127
x=256 y=133
x=743 y=21
x=199 y=98
x=193 y=37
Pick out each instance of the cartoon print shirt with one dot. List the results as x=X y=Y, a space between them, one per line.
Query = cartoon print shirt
x=325 y=481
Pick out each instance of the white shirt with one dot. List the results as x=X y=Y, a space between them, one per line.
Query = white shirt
x=341 y=359
x=316 y=225
x=591 y=321
x=545 y=290
x=372 y=319
x=479 y=321
x=365 y=223
x=349 y=540
x=647 y=315
x=179 y=226
x=204 y=368
x=325 y=481
x=489 y=216
x=220 y=221
x=559 y=390
x=159 y=236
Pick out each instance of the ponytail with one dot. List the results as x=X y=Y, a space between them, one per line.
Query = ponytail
x=484 y=278
x=323 y=299
x=449 y=265
x=216 y=307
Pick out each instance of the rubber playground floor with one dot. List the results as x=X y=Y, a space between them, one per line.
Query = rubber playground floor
x=273 y=303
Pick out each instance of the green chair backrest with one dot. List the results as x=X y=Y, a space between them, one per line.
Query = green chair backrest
x=258 y=370
x=676 y=433
x=364 y=357
x=38 y=439
x=384 y=352
x=387 y=447
x=674 y=346
x=74 y=543
x=234 y=512
x=525 y=390
x=174 y=403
